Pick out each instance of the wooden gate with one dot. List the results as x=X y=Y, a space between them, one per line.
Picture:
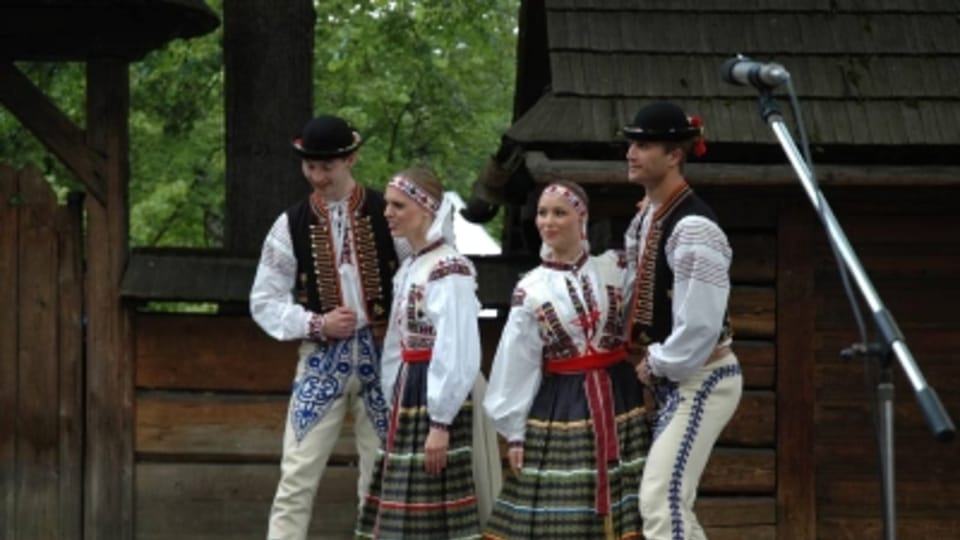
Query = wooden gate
x=41 y=360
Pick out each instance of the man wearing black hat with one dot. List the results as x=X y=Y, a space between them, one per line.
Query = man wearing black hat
x=678 y=279
x=325 y=278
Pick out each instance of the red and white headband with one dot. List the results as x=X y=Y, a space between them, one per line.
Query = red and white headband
x=571 y=196
x=415 y=192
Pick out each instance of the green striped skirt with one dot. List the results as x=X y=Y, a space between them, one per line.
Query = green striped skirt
x=555 y=494
x=404 y=501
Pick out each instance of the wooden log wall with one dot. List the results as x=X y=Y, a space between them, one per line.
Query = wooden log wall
x=908 y=242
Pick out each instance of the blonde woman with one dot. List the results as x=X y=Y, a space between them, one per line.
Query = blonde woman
x=428 y=475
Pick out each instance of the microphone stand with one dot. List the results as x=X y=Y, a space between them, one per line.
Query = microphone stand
x=892 y=343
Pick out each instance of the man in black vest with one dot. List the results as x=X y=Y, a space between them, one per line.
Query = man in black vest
x=678 y=281
x=325 y=277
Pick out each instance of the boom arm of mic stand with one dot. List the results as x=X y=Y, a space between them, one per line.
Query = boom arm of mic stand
x=937 y=417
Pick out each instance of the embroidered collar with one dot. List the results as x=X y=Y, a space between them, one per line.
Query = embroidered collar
x=355 y=200
x=567 y=266
x=673 y=199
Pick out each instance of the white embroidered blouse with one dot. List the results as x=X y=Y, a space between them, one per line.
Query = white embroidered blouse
x=558 y=312
x=435 y=307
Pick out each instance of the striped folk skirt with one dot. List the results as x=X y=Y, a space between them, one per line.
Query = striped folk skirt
x=404 y=501
x=555 y=494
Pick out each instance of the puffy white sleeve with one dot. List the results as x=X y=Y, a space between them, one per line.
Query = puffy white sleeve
x=451 y=303
x=516 y=372
x=699 y=255
x=390 y=358
x=271 y=297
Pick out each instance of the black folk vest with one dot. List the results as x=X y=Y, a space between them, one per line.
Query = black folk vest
x=650 y=315
x=318 y=286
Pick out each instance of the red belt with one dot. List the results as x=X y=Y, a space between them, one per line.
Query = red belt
x=587 y=362
x=415 y=356
x=599 y=390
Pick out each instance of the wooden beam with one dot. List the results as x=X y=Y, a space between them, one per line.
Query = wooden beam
x=545 y=170
x=796 y=312
x=9 y=343
x=108 y=498
x=52 y=127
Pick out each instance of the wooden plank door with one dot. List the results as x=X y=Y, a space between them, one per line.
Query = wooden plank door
x=40 y=361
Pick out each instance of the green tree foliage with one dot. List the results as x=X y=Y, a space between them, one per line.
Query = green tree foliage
x=427 y=82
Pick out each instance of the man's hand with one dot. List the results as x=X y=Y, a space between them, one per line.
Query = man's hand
x=339 y=323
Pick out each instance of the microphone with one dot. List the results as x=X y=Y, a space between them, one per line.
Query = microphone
x=745 y=72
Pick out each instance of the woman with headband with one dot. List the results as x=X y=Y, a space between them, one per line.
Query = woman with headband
x=424 y=483
x=562 y=392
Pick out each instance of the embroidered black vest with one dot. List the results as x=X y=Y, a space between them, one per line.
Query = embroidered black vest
x=651 y=312
x=318 y=285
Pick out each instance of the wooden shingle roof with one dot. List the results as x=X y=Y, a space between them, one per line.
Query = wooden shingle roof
x=868 y=72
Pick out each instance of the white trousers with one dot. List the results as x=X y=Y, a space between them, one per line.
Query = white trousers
x=304 y=461
x=691 y=416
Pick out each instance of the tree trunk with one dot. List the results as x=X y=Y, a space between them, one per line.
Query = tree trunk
x=268 y=59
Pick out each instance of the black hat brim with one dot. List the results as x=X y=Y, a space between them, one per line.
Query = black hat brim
x=325 y=154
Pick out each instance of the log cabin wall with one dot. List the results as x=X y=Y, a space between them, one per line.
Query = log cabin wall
x=907 y=240
x=212 y=395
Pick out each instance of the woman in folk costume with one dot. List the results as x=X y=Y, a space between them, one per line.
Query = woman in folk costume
x=563 y=394
x=439 y=469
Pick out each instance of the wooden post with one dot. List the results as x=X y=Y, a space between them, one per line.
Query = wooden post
x=796 y=312
x=109 y=405
x=268 y=63
x=9 y=200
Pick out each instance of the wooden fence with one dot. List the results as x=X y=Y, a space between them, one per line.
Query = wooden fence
x=41 y=361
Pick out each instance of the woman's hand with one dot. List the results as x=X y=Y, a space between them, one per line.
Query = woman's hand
x=435 y=450
x=644 y=373
x=515 y=455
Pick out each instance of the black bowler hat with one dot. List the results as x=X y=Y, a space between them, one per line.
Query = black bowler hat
x=326 y=137
x=663 y=121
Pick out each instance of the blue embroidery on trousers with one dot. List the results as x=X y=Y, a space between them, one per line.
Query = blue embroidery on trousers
x=668 y=399
x=683 y=454
x=324 y=378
